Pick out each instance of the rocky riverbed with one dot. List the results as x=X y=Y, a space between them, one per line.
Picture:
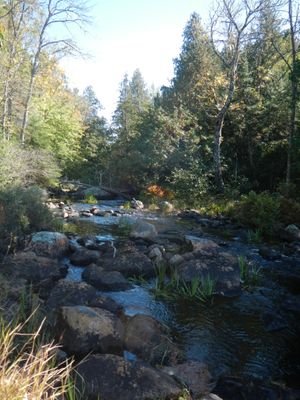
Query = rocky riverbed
x=97 y=282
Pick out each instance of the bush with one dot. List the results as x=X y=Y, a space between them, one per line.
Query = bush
x=26 y=166
x=260 y=211
x=21 y=212
x=289 y=211
x=189 y=186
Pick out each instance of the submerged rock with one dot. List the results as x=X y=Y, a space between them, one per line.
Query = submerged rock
x=110 y=377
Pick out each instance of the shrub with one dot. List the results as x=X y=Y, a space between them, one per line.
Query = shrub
x=21 y=212
x=90 y=199
x=260 y=211
x=26 y=166
x=189 y=186
x=289 y=211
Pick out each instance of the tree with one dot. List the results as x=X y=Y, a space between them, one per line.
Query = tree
x=51 y=13
x=229 y=32
x=292 y=63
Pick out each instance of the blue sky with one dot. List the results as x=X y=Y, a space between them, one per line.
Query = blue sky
x=130 y=34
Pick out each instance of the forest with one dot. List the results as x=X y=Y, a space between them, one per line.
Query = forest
x=222 y=140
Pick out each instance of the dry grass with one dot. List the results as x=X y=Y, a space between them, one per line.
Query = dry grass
x=28 y=368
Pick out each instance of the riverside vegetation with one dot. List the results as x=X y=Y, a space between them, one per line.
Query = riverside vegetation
x=222 y=138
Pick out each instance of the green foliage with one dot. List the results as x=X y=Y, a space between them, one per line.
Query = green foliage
x=170 y=286
x=90 y=199
x=250 y=273
x=21 y=212
x=26 y=166
x=254 y=236
x=260 y=211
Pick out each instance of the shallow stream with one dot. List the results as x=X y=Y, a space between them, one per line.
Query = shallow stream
x=255 y=335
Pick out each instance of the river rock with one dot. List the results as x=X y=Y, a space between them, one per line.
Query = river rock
x=221 y=267
x=84 y=257
x=109 y=377
x=101 y=301
x=292 y=233
x=166 y=206
x=198 y=243
x=82 y=330
x=68 y=293
x=40 y=271
x=49 y=244
x=143 y=230
x=147 y=338
x=129 y=263
x=194 y=375
x=137 y=204
x=105 y=280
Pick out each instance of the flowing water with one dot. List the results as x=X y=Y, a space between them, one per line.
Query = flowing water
x=228 y=334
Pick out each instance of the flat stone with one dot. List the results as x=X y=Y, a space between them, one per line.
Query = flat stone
x=105 y=280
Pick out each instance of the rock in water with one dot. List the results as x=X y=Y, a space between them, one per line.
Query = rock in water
x=82 y=330
x=49 y=244
x=143 y=230
x=109 y=377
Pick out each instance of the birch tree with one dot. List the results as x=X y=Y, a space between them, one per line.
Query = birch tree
x=229 y=31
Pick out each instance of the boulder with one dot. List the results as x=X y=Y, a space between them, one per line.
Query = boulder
x=82 y=330
x=68 y=293
x=197 y=243
x=105 y=280
x=40 y=271
x=143 y=230
x=222 y=268
x=109 y=377
x=137 y=204
x=129 y=263
x=166 y=206
x=49 y=244
x=84 y=257
x=148 y=339
x=194 y=375
x=292 y=233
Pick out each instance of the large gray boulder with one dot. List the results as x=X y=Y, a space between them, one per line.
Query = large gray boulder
x=198 y=243
x=220 y=267
x=109 y=377
x=143 y=230
x=148 y=339
x=105 y=280
x=82 y=330
x=49 y=244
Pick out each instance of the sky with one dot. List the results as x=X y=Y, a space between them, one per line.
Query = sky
x=125 y=35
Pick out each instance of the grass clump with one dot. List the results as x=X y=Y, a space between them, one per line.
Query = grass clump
x=28 y=368
x=90 y=199
x=171 y=286
x=250 y=273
